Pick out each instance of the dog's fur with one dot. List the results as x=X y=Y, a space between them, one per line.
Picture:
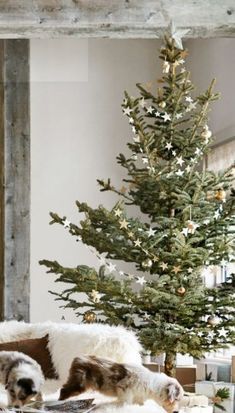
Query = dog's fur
x=68 y=340
x=128 y=383
x=22 y=377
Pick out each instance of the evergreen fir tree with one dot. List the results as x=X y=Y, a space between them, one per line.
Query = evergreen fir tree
x=186 y=224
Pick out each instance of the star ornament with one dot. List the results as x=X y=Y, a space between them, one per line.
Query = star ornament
x=179 y=115
x=127 y=111
x=66 y=223
x=137 y=243
x=223 y=332
x=118 y=212
x=141 y=280
x=189 y=99
x=166 y=117
x=164 y=266
x=169 y=146
x=123 y=224
x=177 y=35
x=150 y=110
x=180 y=172
x=151 y=232
x=176 y=269
x=179 y=160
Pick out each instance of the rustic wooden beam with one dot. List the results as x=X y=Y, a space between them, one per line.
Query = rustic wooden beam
x=2 y=200
x=15 y=179
x=115 y=18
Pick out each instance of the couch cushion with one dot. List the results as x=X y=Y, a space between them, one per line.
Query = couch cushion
x=36 y=348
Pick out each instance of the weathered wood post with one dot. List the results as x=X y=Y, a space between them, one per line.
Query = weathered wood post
x=14 y=180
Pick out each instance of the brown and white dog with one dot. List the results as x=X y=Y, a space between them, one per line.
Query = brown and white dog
x=128 y=383
x=22 y=377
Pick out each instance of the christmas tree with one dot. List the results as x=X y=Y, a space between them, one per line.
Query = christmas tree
x=186 y=224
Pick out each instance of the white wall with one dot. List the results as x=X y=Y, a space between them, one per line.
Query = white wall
x=78 y=129
x=215 y=58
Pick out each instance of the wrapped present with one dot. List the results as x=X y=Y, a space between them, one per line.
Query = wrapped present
x=195 y=403
x=213 y=390
x=227 y=406
x=213 y=371
x=197 y=409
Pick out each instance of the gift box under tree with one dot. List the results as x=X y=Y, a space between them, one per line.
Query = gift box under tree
x=220 y=393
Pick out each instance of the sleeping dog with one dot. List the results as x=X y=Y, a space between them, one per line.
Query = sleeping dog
x=128 y=383
x=22 y=377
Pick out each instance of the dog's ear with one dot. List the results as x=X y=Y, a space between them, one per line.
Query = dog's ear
x=27 y=385
x=173 y=392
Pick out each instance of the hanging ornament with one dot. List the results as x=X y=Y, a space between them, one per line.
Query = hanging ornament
x=220 y=195
x=166 y=67
x=162 y=104
x=192 y=226
x=95 y=296
x=147 y=263
x=213 y=320
x=89 y=317
x=181 y=291
x=206 y=133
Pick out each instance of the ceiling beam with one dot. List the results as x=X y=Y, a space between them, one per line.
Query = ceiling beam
x=115 y=18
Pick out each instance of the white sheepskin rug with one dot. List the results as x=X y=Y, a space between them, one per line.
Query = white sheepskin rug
x=105 y=406
x=68 y=340
x=148 y=407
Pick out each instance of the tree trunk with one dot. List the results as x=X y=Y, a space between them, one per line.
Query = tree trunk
x=170 y=364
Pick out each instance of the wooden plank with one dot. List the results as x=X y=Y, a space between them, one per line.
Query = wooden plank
x=115 y=18
x=15 y=139
x=1 y=184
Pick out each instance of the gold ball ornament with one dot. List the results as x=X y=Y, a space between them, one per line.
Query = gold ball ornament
x=181 y=291
x=162 y=104
x=220 y=195
x=147 y=263
x=213 y=320
x=89 y=317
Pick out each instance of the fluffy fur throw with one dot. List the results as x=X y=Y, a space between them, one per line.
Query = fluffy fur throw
x=67 y=340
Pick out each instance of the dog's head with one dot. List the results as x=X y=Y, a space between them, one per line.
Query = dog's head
x=21 y=391
x=24 y=382
x=172 y=395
